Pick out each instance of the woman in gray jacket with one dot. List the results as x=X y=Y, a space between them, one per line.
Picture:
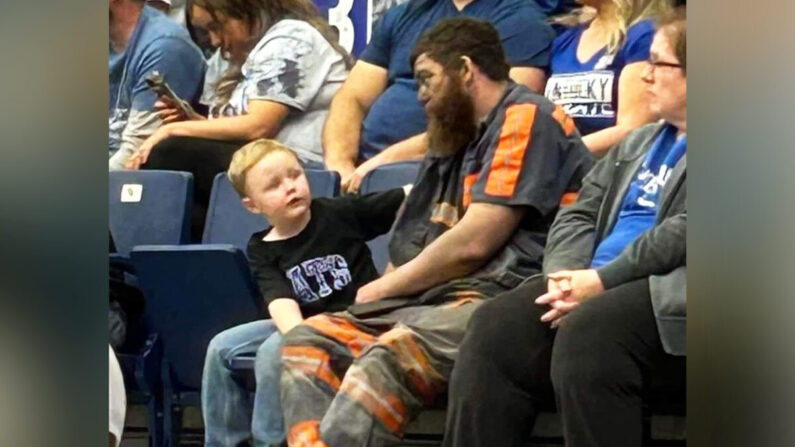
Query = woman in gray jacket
x=608 y=318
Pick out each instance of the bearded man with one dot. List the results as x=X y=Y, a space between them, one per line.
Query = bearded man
x=501 y=159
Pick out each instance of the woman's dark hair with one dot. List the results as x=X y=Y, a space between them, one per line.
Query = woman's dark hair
x=199 y=36
x=260 y=15
x=451 y=39
x=674 y=25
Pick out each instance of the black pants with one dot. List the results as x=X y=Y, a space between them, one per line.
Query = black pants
x=604 y=360
x=607 y=360
x=204 y=159
x=501 y=376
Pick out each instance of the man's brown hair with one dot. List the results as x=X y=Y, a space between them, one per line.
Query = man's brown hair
x=451 y=39
x=674 y=25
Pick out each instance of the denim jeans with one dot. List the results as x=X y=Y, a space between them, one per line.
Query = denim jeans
x=231 y=419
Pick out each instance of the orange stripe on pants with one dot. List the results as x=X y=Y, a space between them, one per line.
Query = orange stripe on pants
x=386 y=407
x=424 y=378
x=341 y=330
x=310 y=361
x=305 y=434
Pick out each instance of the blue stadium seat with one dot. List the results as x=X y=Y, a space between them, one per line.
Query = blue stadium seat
x=146 y=207
x=193 y=292
x=386 y=177
x=141 y=372
x=149 y=207
x=196 y=291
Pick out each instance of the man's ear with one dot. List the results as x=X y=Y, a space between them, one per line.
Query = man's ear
x=250 y=206
x=467 y=70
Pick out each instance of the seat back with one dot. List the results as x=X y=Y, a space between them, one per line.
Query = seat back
x=149 y=207
x=386 y=177
x=194 y=292
x=229 y=222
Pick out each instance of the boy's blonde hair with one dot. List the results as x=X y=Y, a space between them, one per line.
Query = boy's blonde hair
x=249 y=155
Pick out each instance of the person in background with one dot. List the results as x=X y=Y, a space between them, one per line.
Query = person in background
x=143 y=40
x=596 y=67
x=615 y=288
x=163 y=6
x=284 y=67
x=312 y=260
x=375 y=117
x=553 y=7
x=117 y=400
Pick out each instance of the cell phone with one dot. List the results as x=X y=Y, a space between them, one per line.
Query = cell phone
x=158 y=84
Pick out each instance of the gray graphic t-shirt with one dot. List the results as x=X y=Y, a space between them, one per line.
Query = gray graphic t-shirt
x=293 y=64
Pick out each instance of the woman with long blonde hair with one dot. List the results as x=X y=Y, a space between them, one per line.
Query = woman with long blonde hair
x=596 y=67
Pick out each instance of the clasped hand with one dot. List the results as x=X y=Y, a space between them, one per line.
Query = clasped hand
x=566 y=289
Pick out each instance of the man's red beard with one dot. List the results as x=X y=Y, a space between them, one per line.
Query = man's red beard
x=451 y=125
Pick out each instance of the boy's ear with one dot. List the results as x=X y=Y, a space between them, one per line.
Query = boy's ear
x=250 y=206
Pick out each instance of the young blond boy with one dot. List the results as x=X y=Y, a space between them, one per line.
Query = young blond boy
x=312 y=260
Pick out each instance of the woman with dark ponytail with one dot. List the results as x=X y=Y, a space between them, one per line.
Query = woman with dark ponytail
x=284 y=67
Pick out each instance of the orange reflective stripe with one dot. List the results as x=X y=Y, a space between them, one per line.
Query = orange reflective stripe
x=565 y=121
x=305 y=434
x=569 y=198
x=342 y=331
x=512 y=145
x=424 y=378
x=386 y=407
x=311 y=361
x=469 y=182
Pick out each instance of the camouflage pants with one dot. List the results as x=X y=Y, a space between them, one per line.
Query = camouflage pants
x=358 y=381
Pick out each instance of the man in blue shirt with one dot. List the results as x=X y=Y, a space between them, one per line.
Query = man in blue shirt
x=375 y=116
x=143 y=40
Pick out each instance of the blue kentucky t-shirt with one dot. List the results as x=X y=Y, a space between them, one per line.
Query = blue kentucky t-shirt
x=588 y=91
x=397 y=114
x=639 y=209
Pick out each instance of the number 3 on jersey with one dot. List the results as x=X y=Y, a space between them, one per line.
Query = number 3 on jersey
x=351 y=18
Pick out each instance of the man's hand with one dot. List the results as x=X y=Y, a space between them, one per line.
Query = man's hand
x=345 y=169
x=351 y=183
x=141 y=154
x=566 y=290
x=372 y=291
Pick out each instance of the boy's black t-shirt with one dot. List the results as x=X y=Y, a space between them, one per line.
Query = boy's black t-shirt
x=324 y=265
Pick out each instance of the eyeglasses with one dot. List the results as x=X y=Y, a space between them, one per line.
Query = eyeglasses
x=654 y=64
